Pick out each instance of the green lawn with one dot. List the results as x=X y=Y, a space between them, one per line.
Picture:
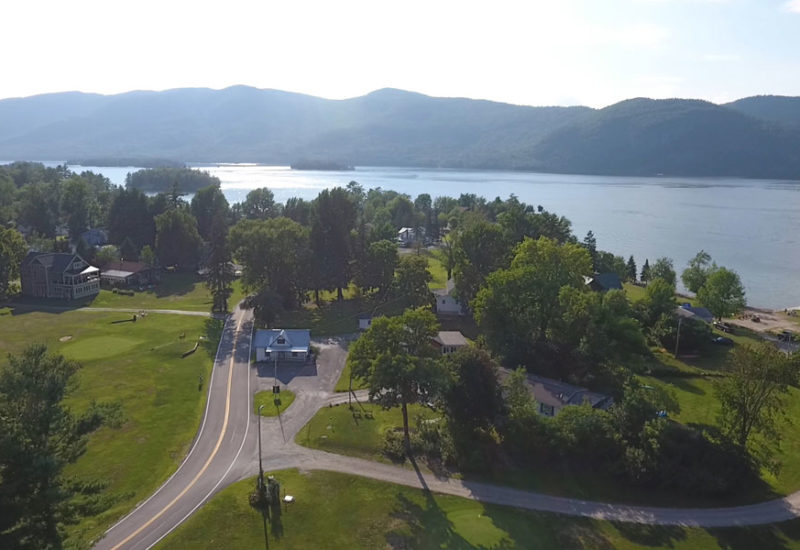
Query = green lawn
x=183 y=291
x=337 y=430
x=343 y=384
x=267 y=398
x=139 y=365
x=333 y=318
x=438 y=272
x=338 y=511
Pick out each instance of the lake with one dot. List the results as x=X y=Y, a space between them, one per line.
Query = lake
x=752 y=226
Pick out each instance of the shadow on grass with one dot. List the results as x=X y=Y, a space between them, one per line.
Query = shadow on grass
x=425 y=525
x=176 y=284
x=767 y=536
x=651 y=535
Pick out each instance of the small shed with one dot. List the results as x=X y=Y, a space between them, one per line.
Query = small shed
x=364 y=321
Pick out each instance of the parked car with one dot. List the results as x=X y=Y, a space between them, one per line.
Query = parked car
x=723 y=341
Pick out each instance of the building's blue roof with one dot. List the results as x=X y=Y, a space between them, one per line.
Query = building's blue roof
x=296 y=339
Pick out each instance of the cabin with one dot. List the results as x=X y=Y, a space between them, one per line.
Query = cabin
x=282 y=345
x=64 y=276
x=128 y=274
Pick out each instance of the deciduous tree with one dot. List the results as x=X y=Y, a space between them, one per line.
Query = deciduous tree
x=12 y=252
x=397 y=360
x=177 y=239
x=722 y=293
x=700 y=267
x=412 y=278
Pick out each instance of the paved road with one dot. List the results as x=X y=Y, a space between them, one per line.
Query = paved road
x=224 y=430
x=226 y=451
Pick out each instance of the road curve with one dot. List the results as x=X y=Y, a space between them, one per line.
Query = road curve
x=223 y=432
x=225 y=451
x=281 y=452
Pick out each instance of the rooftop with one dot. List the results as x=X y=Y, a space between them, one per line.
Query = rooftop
x=450 y=338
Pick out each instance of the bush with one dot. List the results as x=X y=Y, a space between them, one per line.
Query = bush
x=394 y=446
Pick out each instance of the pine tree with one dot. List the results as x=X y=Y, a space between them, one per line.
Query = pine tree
x=631 y=269
x=645 y=276
x=220 y=272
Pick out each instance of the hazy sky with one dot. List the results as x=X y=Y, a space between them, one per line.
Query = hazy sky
x=592 y=52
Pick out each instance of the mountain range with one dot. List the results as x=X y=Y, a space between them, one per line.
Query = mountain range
x=752 y=137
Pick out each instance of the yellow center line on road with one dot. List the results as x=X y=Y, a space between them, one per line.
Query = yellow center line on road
x=210 y=458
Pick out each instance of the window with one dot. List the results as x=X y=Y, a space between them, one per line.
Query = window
x=281 y=340
x=547 y=410
x=266 y=354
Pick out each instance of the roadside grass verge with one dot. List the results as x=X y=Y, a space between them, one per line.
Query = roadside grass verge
x=267 y=398
x=138 y=365
x=339 y=511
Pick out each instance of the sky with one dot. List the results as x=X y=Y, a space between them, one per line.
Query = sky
x=529 y=52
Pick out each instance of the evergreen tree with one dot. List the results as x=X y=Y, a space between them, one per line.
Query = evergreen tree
x=631 y=269
x=220 y=271
x=645 y=276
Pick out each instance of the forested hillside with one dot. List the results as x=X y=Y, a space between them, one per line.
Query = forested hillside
x=753 y=137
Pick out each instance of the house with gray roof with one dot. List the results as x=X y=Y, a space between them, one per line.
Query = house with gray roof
x=281 y=345
x=64 y=276
x=449 y=341
x=553 y=395
x=698 y=313
x=602 y=282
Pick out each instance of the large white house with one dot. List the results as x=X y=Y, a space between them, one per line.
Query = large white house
x=58 y=275
x=282 y=345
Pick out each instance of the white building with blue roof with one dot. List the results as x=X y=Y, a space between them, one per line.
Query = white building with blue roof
x=282 y=345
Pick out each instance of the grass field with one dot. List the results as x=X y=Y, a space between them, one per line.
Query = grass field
x=338 y=511
x=267 y=398
x=138 y=365
x=337 y=430
x=332 y=318
x=175 y=291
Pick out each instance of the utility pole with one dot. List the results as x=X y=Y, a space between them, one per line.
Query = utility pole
x=678 y=337
x=260 y=466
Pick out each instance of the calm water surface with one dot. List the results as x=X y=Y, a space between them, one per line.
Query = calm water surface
x=752 y=226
